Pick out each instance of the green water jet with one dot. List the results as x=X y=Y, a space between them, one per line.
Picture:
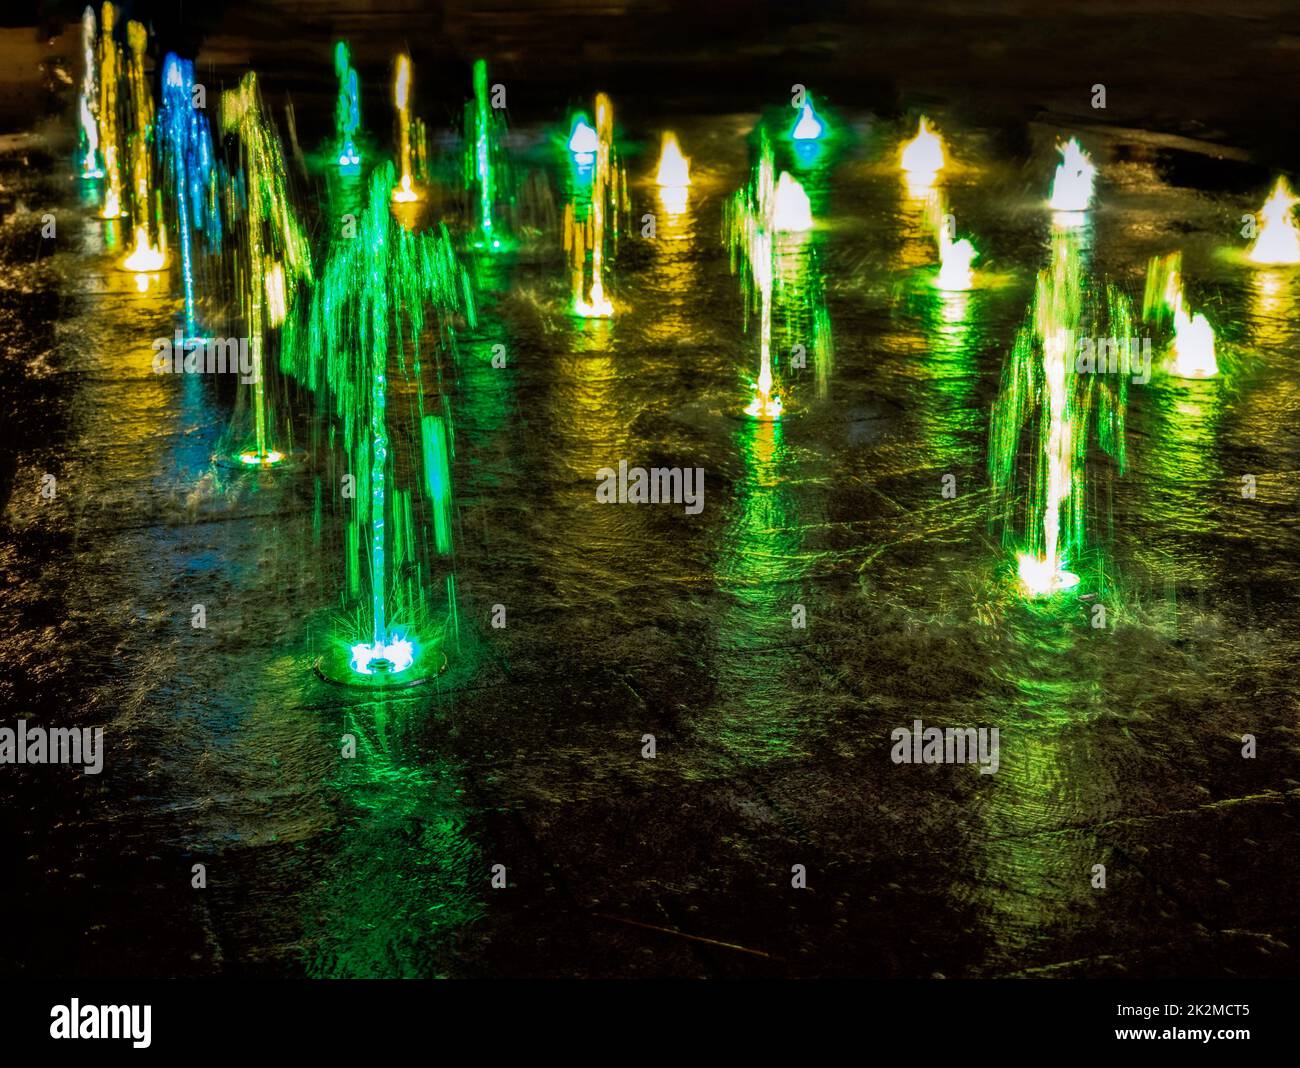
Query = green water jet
x=1043 y=489
x=371 y=304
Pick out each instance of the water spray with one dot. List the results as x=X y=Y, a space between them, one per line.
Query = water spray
x=347 y=111
x=276 y=256
x=403 y=192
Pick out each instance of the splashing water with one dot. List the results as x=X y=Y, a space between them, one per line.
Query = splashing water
x=403 y=192
x=88 y=102
x=110 y=58
x=1042 y=393
x=1072 y=186
x=1278 y=240
x=674 y=168
x=583 y=141
x=369 y=307
x=673 y=176
x=923 y=156
x=347 y=110
x=955 y=259
x=600 y=227
x=808 y=127
x=1193 y=345
x=274 y=253
x=792 y=210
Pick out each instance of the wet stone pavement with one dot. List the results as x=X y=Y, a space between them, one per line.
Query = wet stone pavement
x=1119 y=746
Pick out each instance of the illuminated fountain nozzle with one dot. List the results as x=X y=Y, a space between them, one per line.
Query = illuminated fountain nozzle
x=923 y=156
x=404 y=192
x=1075 y=174
x=383 y=658
x=253 y=458
x=597 y=306
x=764 y=406
x=1042 y=577
x=1278 y=240
x=144 y=258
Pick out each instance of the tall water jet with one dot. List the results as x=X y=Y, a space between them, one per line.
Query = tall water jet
x=146 y=256
x=922 y=158
x=88 y=101
x=403 y=192
x=1051 y=391
x=191 y=170
x=369 y=307
x=753 y=224
x=1278 y=239
x=600 y=227
x=347 y=111
x=110 y=59
x=484 y=157
x=1072 y=186
x=275 y=257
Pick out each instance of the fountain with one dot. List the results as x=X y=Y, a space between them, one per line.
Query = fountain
x=347 y=111
x=275 y=256
x=188 y=161
x=674 y=169
x=1278 y=239
x=1044 y=393
x=145 y=257
x=583 y=141
x=600 y=227
x=110 y=59
x=403 y=192
x=1072 y=186
x=1192 y=345
x=792 y=210
x=368 y=308
x=673 y=176
x=88 y=101
x=955 y=259
x=923 y=156
x=485 y=163
x=808 y=127
x=765 y=208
